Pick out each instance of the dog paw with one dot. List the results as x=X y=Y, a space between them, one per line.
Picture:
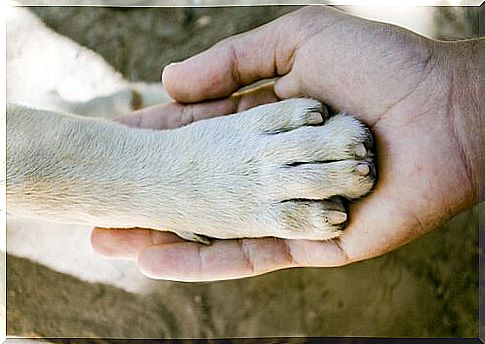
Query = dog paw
x=305 y=156
x=284 y=169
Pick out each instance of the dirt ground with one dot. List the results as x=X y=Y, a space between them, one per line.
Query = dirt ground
x=428 y=288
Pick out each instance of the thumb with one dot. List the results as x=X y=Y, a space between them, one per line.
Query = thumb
x=262 y=53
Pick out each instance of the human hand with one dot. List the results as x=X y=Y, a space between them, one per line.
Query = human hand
x=416 y=94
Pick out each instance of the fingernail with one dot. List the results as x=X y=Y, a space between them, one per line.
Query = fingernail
x=173 y=64
x=362 y=169
x=336 y=217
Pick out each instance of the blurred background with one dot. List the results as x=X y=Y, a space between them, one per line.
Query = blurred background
x=428 y=288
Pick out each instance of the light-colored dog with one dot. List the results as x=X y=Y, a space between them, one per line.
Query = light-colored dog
x=279 y=170
x=270 y=171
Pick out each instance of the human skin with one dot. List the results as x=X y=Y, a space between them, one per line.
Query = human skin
x=420 y=97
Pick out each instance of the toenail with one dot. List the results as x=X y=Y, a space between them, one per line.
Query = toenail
x=360 y=150
x=363 y=169
x=314 y=118
x=336 y=217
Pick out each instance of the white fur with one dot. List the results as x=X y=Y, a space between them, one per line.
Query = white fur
x=227 y=177
x=48 y=71
x=61 y=76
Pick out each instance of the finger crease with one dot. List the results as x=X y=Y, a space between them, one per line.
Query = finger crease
x=235 y=100
x=187 y=115
x=247 y=256
x=236 y=76
x=139 y=120
x=289 y=61
x=199 y=254
x=342 y=251
x=289 y=255
x=152 y=237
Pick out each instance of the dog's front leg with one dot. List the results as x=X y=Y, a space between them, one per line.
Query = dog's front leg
x=71 y=169
x=276 y=170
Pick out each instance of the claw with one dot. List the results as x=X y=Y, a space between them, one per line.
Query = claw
x=360 y=150
x=362 y=169
x=314 y=118
x=336 y=217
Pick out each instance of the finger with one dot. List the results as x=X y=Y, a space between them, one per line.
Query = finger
x=231 y=259
x=259 y=95
x=174 y=115
x=265 y=52
x=222 y=260
x=379 y=223
x=127 y=243
x=367 y=235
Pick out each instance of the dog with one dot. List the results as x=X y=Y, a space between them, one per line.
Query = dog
x=277 y=170
x=283 y=169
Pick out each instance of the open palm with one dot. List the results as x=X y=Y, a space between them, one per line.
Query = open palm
x=395 y=81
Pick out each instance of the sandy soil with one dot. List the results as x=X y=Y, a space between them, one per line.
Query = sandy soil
x=139 y=42
x=427 y=288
